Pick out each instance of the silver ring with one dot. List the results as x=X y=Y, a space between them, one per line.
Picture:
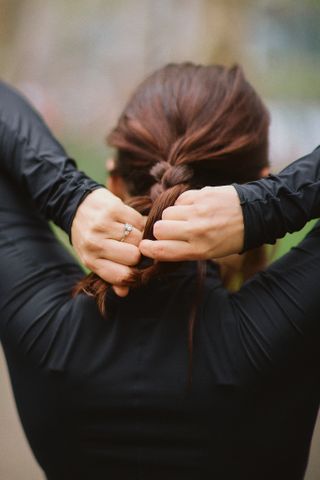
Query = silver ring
x=127 y=228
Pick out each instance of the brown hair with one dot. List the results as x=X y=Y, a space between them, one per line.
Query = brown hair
x=186 y=126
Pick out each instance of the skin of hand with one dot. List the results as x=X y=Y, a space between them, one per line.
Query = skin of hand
x=96 y=230
x=203 y=224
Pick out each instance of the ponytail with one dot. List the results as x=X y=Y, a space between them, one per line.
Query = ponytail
x=171 y=183
x=186 y=126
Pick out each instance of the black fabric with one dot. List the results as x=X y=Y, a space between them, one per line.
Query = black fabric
x=37 y=162
x=107 y=397
x=281 y=203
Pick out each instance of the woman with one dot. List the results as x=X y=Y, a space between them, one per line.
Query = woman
x=114 y=397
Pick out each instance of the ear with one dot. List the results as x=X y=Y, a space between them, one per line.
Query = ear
x=115 y=182
x=117 y=186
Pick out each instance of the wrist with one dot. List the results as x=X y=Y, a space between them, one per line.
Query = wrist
x=84 y=192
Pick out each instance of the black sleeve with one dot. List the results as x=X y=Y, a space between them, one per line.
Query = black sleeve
x=283 y=203
x=274 y=317
x=37 y=273
x=37 y=276
x=37 y=163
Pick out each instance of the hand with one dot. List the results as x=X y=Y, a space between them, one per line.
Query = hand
x=203 y=224
x=96 y=230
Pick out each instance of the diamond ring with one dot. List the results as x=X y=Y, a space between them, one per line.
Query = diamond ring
x=127 y=228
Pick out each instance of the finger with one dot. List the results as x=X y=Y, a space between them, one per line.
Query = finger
x=167 y=250
x=134 y=237
x=115 y=231
x=130 y=215
x=121 y=291
x=119 y=252
x=187 y=198
x=171 y=230
x=113 y=273
x=181 y=212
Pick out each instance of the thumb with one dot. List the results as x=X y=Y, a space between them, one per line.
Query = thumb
x=121 y=291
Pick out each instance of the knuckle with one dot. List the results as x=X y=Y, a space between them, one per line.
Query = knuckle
x=115 y=277
x=118 y=279
x=98 y=220
x=194 y=256
x=202 y=229
x=109 y=212
x=190 y=229
x=166 y=214
x=136 y=257
x=182 y=197
x=195 y=230
x=201 y=209
x=206 y=189
x=87 y=262
x=137 y=239
x=84 y=240
x=204 y=209
x=159 y=250
x=103 y=218
x=140 y=223
x=140 y=227
x=132 y=257
x=157 y=229
x=122 y=276
x=89 y=242
x=207 y=252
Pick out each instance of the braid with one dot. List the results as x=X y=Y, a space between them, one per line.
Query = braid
x=168 y=176
x=186 y=126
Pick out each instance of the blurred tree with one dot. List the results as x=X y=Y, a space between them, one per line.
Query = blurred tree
x=225 y=23
x=9 y=18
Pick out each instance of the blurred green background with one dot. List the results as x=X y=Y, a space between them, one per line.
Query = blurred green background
x=78 y=61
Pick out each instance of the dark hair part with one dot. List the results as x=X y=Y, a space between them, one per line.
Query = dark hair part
x=186 y=126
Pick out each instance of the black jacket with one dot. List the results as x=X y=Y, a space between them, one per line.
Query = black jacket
x=106 y=397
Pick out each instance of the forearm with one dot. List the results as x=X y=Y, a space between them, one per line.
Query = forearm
x=37 y=162
x=283 y=203
x=277 y=312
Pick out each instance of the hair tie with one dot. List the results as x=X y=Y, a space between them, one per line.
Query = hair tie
x=170 y=175
x=158 y=170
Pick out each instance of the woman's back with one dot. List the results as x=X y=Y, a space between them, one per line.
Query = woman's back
x=110 y=396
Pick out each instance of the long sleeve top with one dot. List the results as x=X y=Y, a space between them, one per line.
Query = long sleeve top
x=281 y=203
x=108 y=397
x=38 y=163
